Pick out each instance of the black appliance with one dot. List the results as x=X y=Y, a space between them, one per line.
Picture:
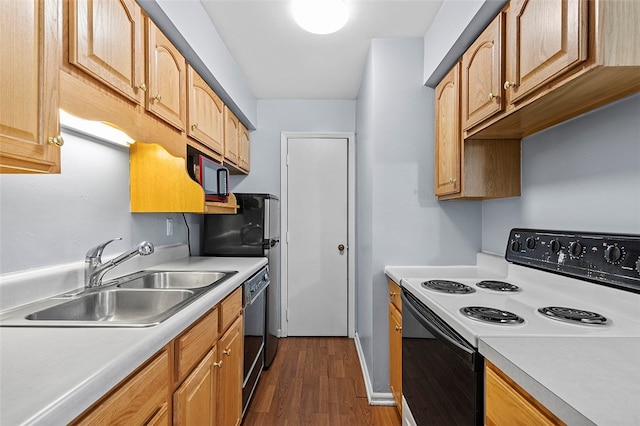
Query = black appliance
x=253 y=311
x=253 y=232
x=442 y=373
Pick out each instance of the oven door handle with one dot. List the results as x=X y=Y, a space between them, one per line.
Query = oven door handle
x=433 y=328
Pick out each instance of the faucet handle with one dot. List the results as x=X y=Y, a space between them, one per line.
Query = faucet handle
x=145 y=248
x=96 y=252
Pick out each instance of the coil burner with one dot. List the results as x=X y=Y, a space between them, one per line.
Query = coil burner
x=444 y=286
x=572 y=315
x=498 y=286
x=491 y=315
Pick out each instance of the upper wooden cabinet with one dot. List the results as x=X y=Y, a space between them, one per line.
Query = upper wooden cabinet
x=545 y=40
x=167 y=78
x=447 y=133
x=470 y=169
x=482 y=75
x=231 y=133
x=205 y=114
x=563 y=58
x=244 y=151
x=30 y=58
x=106 y=40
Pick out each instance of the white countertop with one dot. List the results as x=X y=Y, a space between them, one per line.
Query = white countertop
x=582 y=380
x=51 y=375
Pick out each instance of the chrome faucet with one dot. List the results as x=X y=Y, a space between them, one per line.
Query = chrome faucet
x=94 y=269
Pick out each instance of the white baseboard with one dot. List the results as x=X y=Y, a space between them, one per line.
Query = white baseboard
x=375 y=398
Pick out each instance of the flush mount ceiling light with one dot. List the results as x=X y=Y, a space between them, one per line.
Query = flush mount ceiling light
x=320 y=16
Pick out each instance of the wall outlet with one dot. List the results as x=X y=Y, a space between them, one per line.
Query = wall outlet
x=169 y=226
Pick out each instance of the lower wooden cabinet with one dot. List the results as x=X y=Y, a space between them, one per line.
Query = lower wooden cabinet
x=395 y=344
x=506 y=403
x=231 y=374
x=142 y=398
x=195 y=401
x=196 y=379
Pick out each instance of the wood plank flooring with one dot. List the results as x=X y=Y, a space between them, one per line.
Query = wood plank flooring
x=315 y=381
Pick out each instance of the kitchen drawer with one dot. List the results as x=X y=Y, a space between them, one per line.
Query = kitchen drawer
x=230 y=308
x=394 y=294
x=139 y=399
x=194 y=343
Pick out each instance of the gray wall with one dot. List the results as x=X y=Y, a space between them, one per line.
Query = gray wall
x=581 y=175
x=276 y=116
x=398 y=220
x=54 y=219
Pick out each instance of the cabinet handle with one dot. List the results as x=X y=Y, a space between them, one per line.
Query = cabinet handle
x=157 y=97
x=56 y=140
x=492 y=96
x=452 y=180
x=398 y=328
x=143 y=87
x=194 y=126
x=227 y=352
x=392 y=293
x=509 y=84
x=218 y=364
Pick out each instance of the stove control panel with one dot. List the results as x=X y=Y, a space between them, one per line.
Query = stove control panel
x=607 y=259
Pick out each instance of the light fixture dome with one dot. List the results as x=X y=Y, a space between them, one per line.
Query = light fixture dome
x=320 y=16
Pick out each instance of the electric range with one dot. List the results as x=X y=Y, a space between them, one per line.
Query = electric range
x=546 y=275
x=594 y=279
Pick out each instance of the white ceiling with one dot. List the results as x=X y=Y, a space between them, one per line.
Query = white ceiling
x=282 y=61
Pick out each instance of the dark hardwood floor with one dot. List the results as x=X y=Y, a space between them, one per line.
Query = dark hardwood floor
x=315 y=381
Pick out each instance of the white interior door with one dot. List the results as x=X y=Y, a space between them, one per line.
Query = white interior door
x=317 y=284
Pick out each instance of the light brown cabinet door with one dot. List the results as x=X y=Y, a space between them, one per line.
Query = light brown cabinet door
x=29 y=65
x=166 y=96
x=206 y=113
x=448 y=133
x=244 y=155
x=395 y=355
x=231 y=134
x=139 y=400
x=482 y=76
x=106 y=41
x=194 y=402
x=544 y=40
x=231 y=374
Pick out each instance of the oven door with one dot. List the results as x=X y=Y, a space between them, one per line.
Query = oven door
x=442 y=374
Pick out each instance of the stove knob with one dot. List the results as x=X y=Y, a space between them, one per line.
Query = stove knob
x=531 y=243
x=613 y=254
x=575 y=249
x=555 y=245
x=515 y=245
x=638 y=265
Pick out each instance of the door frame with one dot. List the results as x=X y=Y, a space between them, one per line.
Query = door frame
x=351 y=221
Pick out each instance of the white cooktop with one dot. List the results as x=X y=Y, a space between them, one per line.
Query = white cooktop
x=538 y=289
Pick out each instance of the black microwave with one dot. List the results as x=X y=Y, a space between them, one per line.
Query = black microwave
x=213 y=177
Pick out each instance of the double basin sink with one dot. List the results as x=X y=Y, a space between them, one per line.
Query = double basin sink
x=141 y=299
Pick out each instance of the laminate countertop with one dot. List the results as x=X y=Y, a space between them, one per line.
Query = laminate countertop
x=582 y=380
x=51 y=375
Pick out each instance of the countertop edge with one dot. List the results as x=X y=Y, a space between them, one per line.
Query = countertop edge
x=66 y=406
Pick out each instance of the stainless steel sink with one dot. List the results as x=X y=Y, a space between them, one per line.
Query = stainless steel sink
x=141 y=299
x=173 y=279
x=116 y=306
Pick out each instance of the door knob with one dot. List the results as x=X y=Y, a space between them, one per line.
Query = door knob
x=341 y=247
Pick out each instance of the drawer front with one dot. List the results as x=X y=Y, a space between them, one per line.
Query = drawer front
x=137 y=400
x=230 y=308
x=394 y=294
x=192 y=345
